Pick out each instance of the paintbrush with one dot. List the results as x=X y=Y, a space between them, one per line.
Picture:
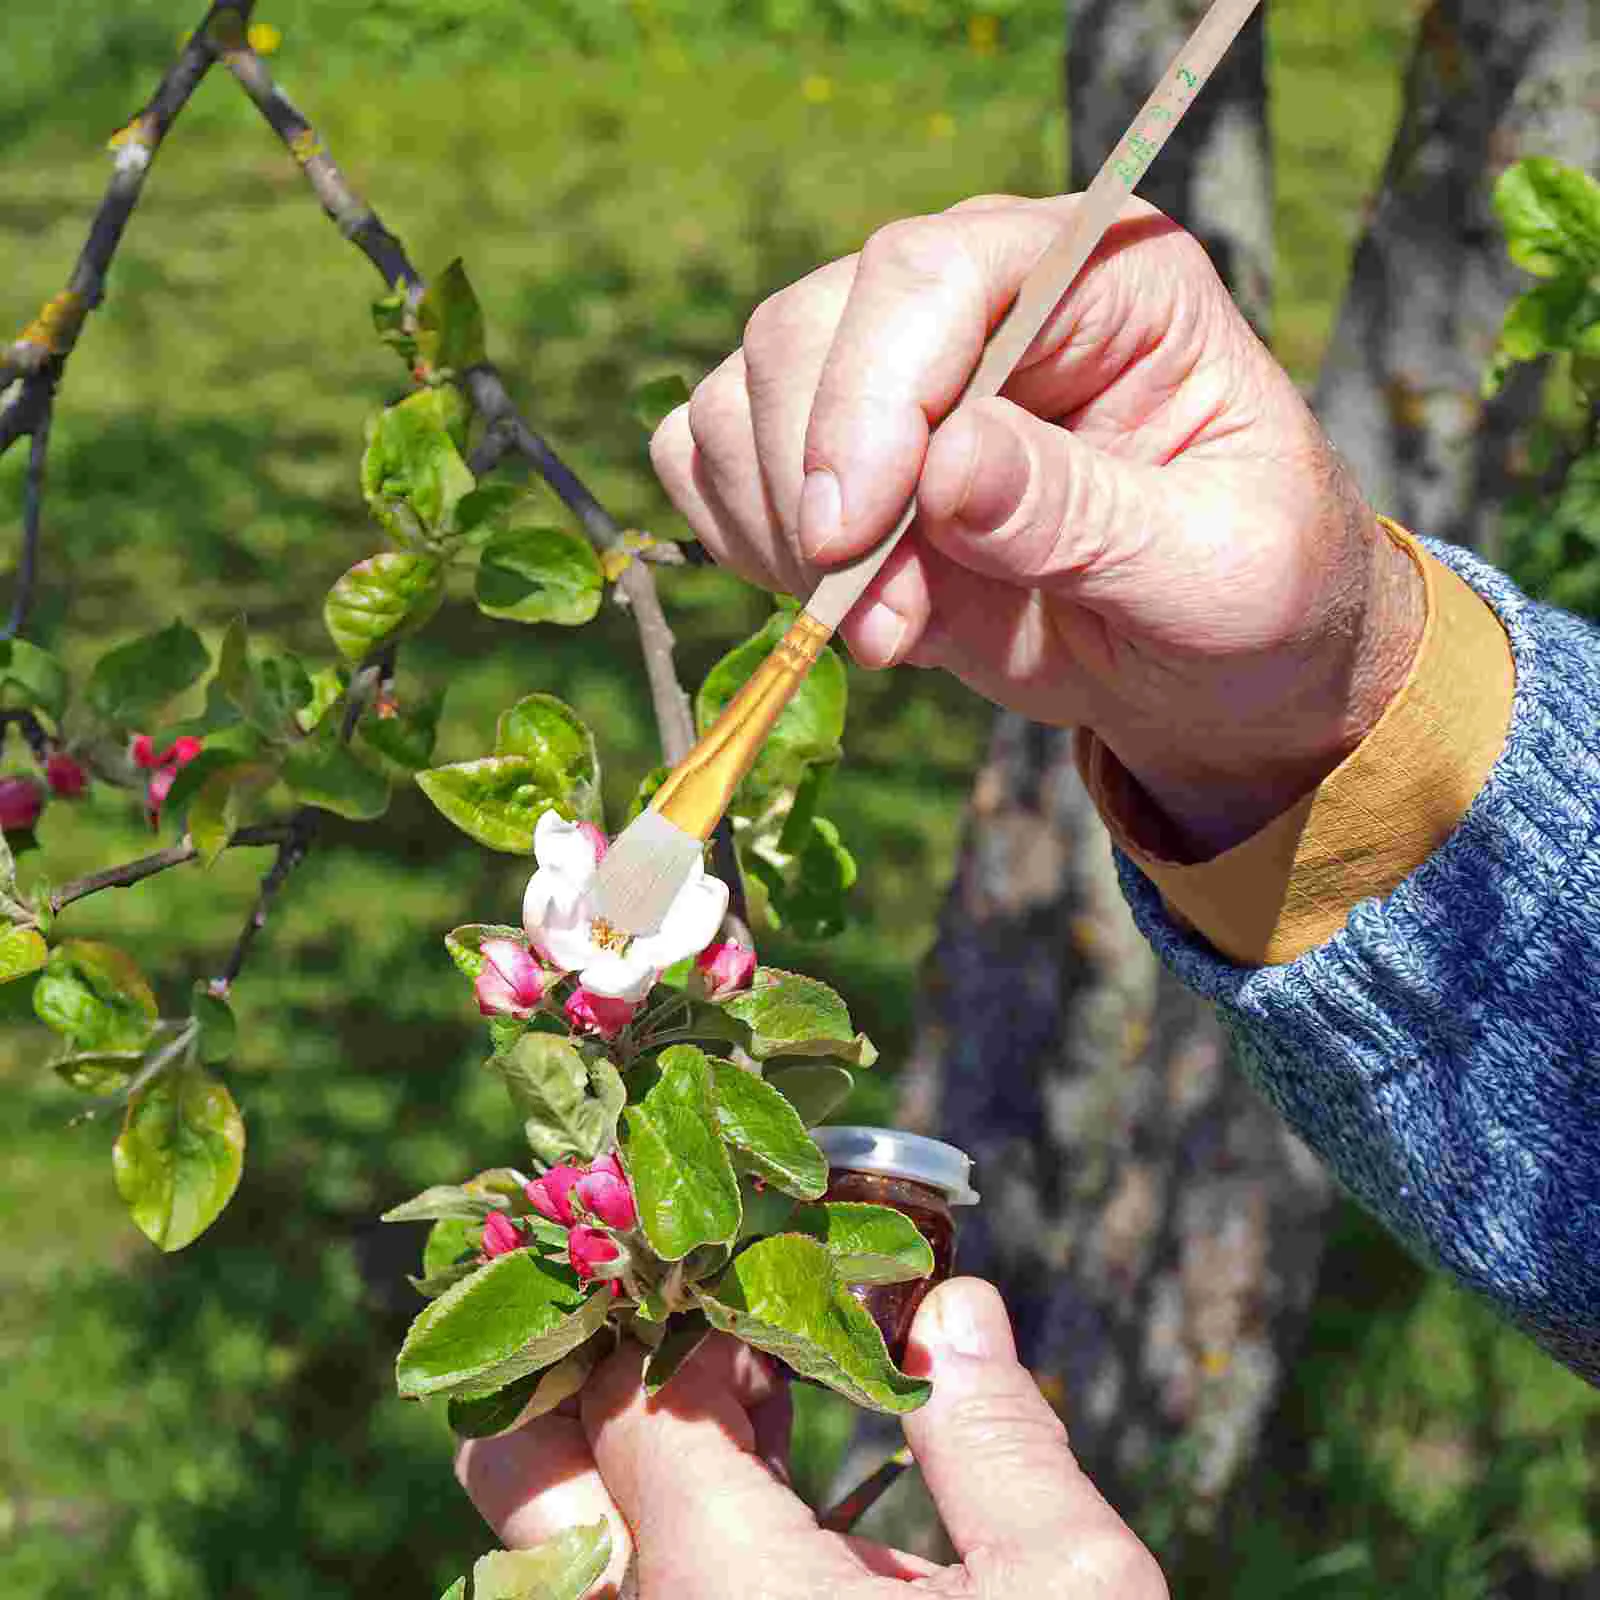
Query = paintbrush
x=651 y=859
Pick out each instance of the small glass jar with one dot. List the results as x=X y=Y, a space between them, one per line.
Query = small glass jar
x=920 y=1178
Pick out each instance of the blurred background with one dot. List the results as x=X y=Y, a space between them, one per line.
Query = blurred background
x=625 y=182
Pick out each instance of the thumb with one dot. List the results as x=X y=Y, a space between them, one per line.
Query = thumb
x=996 y=1460
x=1013 y=497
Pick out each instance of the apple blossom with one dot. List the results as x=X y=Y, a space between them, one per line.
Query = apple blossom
x=511 y=983
x=549 y=1195
x=607 y=1197
x=603 y=1014
x=589 y=1248
x=559 y=914
x=65 y=777
x=500 y=1236
x=21 y=801
x=725 y=968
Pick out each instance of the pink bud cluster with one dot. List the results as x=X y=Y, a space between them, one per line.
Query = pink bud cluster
x=22 y=798
x=725 y=968
x=573 y=1195
x=163 y=767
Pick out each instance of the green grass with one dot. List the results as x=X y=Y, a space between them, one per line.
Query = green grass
x=222 y=1423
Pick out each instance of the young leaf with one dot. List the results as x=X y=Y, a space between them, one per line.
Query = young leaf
x=327 y=685
x=32 y=678
x=811 y=726
x=450 y=322
x=131 y=683
x=98 y=1073
x=213 y=814
x=868 y=1244
x=218 y=1030
x=488 y=511
x=682 y=1179
x=806 y=889
x=405 y=737
x=465 y=943
x=652 y=402
x=515 y=1316
x=451 y=1241
x=441 y=1202
x=539 y=574
x=549 y=731
x=498 y=800
x=267 y=691
x=1551 y=214
x=382 y=599
x=782 y=1295
x=95 y=997
x=549 y=1083
x=789 y=1014
x=816 y=1089
x=685 y=1332
x=412 y=473
x=527 y=1398
x=324 y=771
x=563 y=1567
x=22 y=950
x=179 y=1156
x=767 y=1132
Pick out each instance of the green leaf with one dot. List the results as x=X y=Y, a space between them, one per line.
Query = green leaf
x=406 y=737
x=816 y=1089
x=391 y=320
x=95 y=997
x=527 y=1398
x=268 y=691
x=465 y=943
x=767 y=1132
x=213 y=815
x=1549 y=318
x=682 y=1179
x=564 y=1567
x=498 y=800
x=868 y=1244
x=648 y=784
x=443 y=1201
x=806 y=890
x=789 y=1014
x=811 y=726
x=550 y=1085
x=32 y=679
x=449 y=333
x=179 y=1156
x=382 y=599
x=324 y=771
x=214 y=1018
x=549 y=731
x=22 y=950
x=449 y=1240
x=783 y=1295
x=412 y=473
x=653 y=402
x=489 y=510
x=685 y=1332
x=134 y=681
x=539 y=574
x=515 y=1316
x=1551 y=214
x=328 y=684
x=98 y=1073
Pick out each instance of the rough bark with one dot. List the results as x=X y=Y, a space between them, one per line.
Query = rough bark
x=1400 y=392
x=1216 y=175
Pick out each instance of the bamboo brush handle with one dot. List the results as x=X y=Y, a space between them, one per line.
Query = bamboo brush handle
x=1056 y=270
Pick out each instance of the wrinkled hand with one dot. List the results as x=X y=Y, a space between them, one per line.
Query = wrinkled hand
x=697 y=1477
x=1147 y=535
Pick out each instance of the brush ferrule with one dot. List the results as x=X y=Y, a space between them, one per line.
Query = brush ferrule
x=700 y=787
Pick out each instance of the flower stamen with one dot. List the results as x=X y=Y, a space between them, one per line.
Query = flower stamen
x=609 y=938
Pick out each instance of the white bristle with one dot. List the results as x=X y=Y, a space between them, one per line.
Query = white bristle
x=646 y=866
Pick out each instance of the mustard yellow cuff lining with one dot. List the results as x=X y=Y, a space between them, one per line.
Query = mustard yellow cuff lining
x=1372 y=822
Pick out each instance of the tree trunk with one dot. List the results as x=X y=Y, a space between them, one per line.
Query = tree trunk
x=1400 y=392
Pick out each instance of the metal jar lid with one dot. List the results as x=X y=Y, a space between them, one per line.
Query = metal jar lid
x=889 y=1153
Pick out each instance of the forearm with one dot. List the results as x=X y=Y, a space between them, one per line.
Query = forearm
x=1439 y=1051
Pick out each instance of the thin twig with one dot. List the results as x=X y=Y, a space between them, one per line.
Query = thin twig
x=175 y=855
x=32 y=508
x=291 y=852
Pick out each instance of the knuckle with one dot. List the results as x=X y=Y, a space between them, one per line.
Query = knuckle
x=1010 y=1429
x=717 y=411
x=918 y=248
x=987 y=202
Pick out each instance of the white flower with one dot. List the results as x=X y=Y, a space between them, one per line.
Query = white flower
x=558 y=912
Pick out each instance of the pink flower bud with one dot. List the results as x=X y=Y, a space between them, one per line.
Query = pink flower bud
x=511 y=983
x=500 y=1236
x=184 y=750
x=142 y=751
x=606 y=1197
x=590 y=1248
x=725 y=967
x=65 y=777
x=156 y=792
x=551 y=1195
x=603 y=1014
x=608 y=1163
x=597 y=840
x=21 y=801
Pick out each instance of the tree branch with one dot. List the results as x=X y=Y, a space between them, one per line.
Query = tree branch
x=132 y=872
x=291 y=852
x=32 y=505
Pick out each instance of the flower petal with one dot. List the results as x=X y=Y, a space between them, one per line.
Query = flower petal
x=563 y=848
x=621 y=977
x=690 y=924
x=557 y=917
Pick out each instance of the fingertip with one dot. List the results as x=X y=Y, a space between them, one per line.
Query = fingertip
x=962 y=1317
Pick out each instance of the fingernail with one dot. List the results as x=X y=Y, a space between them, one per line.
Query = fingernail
x=821 y=512
x=882 y=632
x=1001 y=473
x=968 y=1319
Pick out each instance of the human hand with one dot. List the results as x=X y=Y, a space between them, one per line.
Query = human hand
x=1147 y=534
x=697 y=1477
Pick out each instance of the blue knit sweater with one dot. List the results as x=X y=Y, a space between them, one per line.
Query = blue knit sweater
x=1442 y=1052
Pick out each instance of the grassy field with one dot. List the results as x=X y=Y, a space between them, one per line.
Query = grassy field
x=625 y=182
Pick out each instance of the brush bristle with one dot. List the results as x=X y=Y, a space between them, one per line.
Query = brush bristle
x=646 y=866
